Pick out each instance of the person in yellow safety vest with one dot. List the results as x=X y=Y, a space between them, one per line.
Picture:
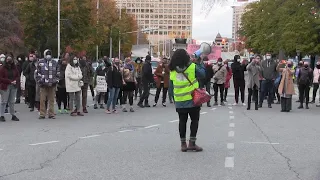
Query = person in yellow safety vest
x=182 y=72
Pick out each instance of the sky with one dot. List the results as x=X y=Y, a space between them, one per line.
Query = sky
x=206 y=28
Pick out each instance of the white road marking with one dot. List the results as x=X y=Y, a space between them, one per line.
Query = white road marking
x=204 y=113
x=128 y=130
x=231 y=117
x=174 y=121
x=230 y=107
x=230 y=146
x=260 y=143
x=92 y=136
x=1 y=149
x=229 y=104
x=152 y=126
x=213 y=109
x=231 y=112
x=232 y=125
x=229 y=162
x=231 y=133
x=42 y=143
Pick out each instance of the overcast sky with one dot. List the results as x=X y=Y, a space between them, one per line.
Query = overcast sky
x=218 y=20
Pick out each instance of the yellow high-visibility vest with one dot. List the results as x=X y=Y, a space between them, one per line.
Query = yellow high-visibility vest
x=182 y=89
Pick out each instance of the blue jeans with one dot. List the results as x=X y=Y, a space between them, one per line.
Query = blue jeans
x=113 y=96
x=267 y=87
x=8 y=97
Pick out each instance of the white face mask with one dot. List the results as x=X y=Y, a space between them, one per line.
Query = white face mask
x=19 y=59
x=75 y=61
x=238 y=60
x=268 y=57
x=219 y=63
x=48 y=57
x=2 y=59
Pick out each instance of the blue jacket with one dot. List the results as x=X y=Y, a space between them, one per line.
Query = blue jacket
x=200 y=74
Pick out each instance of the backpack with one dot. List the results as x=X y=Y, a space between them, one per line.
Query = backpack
x=304 y=76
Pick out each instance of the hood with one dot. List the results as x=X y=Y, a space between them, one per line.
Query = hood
x=182 y=69
x=235 y=58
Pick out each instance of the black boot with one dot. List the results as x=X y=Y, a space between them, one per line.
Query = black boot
x=301 y=106
x=307 y=106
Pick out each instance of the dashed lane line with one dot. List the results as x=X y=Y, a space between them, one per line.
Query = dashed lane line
x=230 y=146
x=230 y=107
x=203 y=113
x=128 y=130
x=231 y=112
x=173 y=121
x=232 y=125
x=231 y=133
x=213 y=109
x=151 y=126
x=229 y=162
x=231 y=117
x=42 y=143
x=91 y=136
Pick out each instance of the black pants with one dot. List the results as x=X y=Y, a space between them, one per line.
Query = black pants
x=267 y=87
x=239 y=85
x=138 y=88
x=128 y=95
x=145 y=95
x=164 y=93
x=219 y=87
x=253 y=91
x=277 y=95
x=225 y=94
x=120 y=99
x=286 y=104
x=194 y=114
x=62 y=97
x=304 y=93
x=208 y=89
x=18 y=94
x=92 y=90
x=315 y=89
x=32 y=96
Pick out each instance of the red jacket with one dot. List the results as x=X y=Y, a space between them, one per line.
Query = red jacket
x=4 y=81
x=229 y=76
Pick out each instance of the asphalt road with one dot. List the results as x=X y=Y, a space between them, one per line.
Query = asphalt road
x=238 y=145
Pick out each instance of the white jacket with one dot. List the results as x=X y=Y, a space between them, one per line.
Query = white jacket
x=316 y=73
x=73 y=75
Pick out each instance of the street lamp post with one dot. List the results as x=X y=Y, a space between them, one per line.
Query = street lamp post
x=119 y=31
x=58 y=29
x=97 y=47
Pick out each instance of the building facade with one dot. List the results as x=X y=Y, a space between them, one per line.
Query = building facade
x=170 y=18
x=222 y=42
x=236 y=23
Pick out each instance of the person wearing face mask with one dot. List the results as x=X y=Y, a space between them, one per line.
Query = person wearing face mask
x=115 y=82
x=2 y=59
x=9 y=79
x=239 y=83
x=129 y=84
x=73 y=76
x=269 y=74
x=220 y=74
x=48 y=75
x=316 y=76
x=286 y=88
x=62 y=95
x=208 y=77
x=305 y=78
x=101 y=71
x=87 y=75
x=138 y=74
x=162 y=81
x=31 y=81
x=228 y=78
x=254 y=71
x=147 y=79
x=21 y=88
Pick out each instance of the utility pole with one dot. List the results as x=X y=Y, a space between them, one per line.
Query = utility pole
x=97 y=47
x=120 y=8
x=59 y=43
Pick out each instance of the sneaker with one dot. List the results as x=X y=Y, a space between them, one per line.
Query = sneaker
x=14 y=118
x=215 y=104
x=6 y=110
x=52 y=117
x=147 y=105
x=42 y=117
x=66 y=111
x=95 y=106
x=140 y=105
x=235 y=104
x=164 y=105
x=154 y=105
x=60 y=111
x=114 y=111
x=318 y=105
x=85 y=110
x=2 y=119
x=124 y=110
x=222 y=103
x=73 y=114
x=243 y=104
x=108 y=111
x=32 y=109
x=101 y=106
x=131 y=109
x=80 y=114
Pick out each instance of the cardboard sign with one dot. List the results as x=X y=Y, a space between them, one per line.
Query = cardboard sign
x=102 y=85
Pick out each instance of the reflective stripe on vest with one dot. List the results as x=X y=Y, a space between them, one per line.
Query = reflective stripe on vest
x=182 y=89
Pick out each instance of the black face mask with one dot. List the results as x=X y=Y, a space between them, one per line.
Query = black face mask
x=289 y=65
x=306 y=66
x=318 y=66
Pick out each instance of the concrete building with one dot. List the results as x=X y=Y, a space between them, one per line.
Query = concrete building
x=236 y=23
x=223 y=42
x=173 y=18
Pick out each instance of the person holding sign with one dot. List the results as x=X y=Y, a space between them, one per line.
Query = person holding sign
x=100 y=84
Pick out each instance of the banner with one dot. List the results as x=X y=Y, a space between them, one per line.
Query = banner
x=215 y=51
x=101 y=84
